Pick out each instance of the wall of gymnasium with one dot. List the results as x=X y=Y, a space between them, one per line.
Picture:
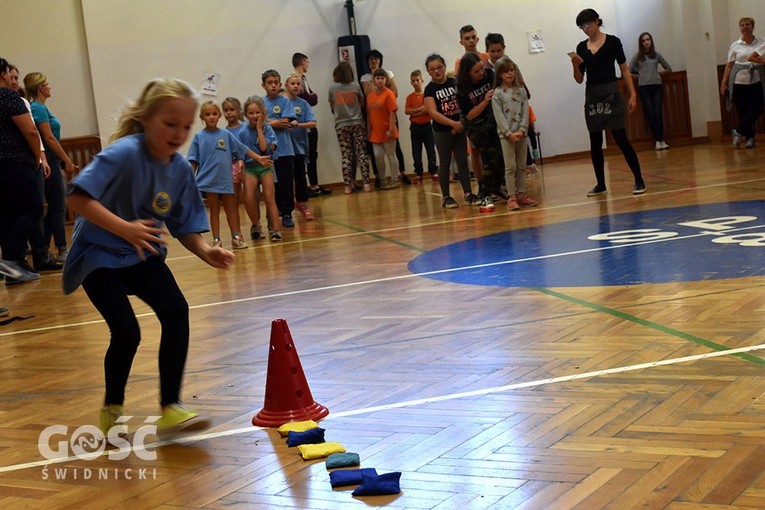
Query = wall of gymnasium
x=98 y=54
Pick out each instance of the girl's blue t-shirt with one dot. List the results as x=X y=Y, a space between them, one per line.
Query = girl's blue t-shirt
x=132 y=184
x=303 y=113
x=249 y=137
x=214 y=152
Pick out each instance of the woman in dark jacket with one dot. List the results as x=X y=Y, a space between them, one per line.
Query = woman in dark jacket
x=19 y=201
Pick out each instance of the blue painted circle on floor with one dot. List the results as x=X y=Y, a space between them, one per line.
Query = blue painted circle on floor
x=692 y=243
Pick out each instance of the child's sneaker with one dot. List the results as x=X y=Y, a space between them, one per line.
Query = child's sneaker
x=216 y=242
x=274 y=235
x=449 y=203
x=238 y=243
x=177 y=418
x=471 y=199
x=524 y=200
x=487 y=204
x=255 y=232
x=512 y=204
x=108 y=417
x=418 y=179
x=434 y=177
x=303 y=208
x=348 y=189
x=404 y=179
x=367 y=187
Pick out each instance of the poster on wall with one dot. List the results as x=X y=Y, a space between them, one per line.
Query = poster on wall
x=210 y=84
x=348 y=54
x=536 y=41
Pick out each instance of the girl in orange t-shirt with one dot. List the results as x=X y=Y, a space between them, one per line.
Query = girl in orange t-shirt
x=382 y=131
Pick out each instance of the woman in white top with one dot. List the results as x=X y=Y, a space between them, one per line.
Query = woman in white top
x=742 y=83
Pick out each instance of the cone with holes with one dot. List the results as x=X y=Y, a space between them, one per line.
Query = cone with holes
x=288 y=397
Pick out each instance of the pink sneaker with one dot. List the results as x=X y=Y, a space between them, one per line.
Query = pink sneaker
x=525 y=200
x=512 y=204
x=303 y=208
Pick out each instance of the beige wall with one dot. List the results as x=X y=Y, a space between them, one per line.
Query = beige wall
x=49 y=36
x=98 y=53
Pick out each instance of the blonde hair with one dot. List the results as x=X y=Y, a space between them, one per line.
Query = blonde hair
x=32 y=84
x=131 y=120
x=256 y=100
x=207 y=104
x=293 y=75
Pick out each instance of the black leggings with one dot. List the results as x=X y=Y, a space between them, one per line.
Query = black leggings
x=598 y=162
x=152 y=282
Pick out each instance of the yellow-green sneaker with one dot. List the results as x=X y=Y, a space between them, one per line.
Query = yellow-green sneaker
x=109 y=416
x=177 y=418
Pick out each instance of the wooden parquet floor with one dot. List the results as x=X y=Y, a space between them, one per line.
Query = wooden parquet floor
x=483 y=397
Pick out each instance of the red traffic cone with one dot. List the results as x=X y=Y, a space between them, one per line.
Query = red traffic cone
x=288 y=397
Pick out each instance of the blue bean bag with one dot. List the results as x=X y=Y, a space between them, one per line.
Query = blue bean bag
x=312 y=436
x=343 y=477
x=378 y=485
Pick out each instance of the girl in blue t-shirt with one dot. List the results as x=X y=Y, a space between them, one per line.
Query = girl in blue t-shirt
x=132 y=193
x=259 y=136
x=303 y=121
x=211 y=154
x=232 y=112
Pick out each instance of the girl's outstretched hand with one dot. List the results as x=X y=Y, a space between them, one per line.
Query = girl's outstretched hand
x=218 y=257
x=264 y=160
x=212 y=255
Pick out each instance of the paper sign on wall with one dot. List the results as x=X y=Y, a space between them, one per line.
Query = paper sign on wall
x=210 y=84
x=536 y=42
x=348 y=54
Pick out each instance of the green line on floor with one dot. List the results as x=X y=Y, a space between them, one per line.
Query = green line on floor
x=653 y=325
x=376 y=236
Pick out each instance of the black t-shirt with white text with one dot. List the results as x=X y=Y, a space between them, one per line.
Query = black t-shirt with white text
x=445 y=96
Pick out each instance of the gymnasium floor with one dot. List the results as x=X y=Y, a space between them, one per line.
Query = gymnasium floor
x=587 y=353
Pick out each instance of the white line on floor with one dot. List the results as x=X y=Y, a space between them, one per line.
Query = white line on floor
x=406 y=403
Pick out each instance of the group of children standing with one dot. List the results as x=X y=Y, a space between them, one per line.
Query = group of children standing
x=485 y=105
x=263 y=149
x=488 y=110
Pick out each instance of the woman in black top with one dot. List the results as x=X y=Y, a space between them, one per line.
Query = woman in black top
x=604 y=105
x=20 y=205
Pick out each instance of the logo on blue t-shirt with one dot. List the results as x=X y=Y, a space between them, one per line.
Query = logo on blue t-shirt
x=221 y=144
x=298 y=110
x=277 y=109
x=161 y=203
